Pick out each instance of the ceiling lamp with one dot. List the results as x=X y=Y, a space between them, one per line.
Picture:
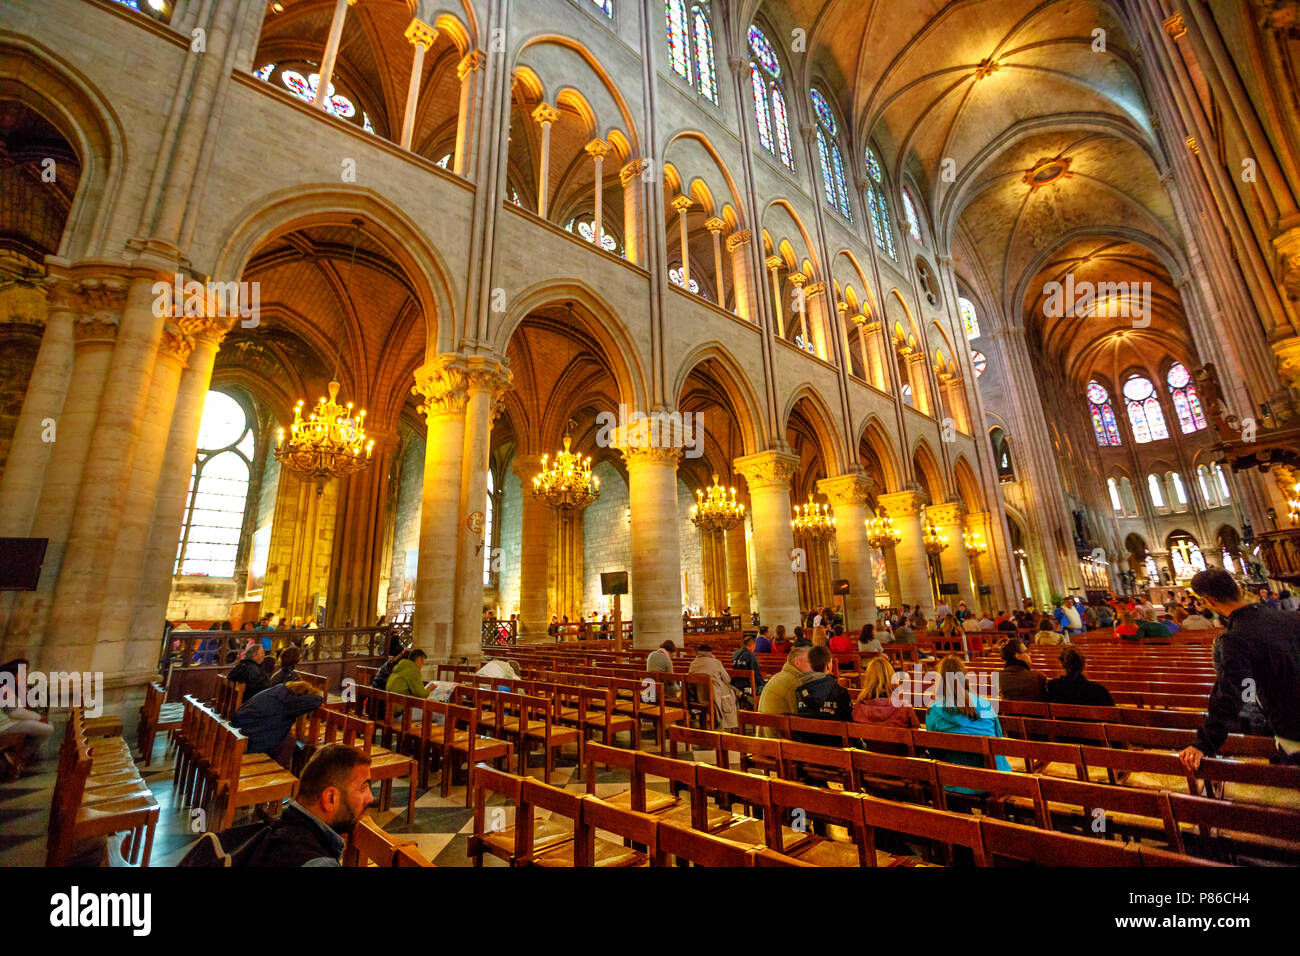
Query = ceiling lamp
x=331 y=442
x=1047 y=171
x=974 y=542
x=881 y=533
x=718 y=510
x=566 y=484
x=935 y=543
x=813 y=520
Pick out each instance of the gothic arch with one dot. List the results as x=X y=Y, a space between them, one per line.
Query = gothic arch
x=735 y=383
x=822 y=421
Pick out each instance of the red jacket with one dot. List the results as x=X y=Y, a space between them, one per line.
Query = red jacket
x=841 y=645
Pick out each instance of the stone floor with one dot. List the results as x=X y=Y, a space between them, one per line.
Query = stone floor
x=441 y=828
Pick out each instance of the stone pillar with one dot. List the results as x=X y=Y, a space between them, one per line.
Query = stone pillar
x=331 y=51
x=356 y=559
x=682 y=204
x=920 y=383
x=172 y=494
x=29 y=452
x=818 y=305
x=421 y=36
x=949 y=519
x=597 y=149
x=105 y=482
x=469 y=72
x=869 y=341
x=742 y=279
x=634 y=212
x=656 y=579
x=982 y=568
x=848 y=498
x=768 y=474
x=738 y=573
x=953 y=389
x=798 y=279
x=713 y=555
x=842 y=323
x=546 y=115
x=774 y=264
x=487 y=381
x=565 y=567
x=535 y=519
x=443 y=383
x=715 y=226
x=909 y=555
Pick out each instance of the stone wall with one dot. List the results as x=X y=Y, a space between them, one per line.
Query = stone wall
x=511 y=523
x=607 y=540
x=406 y=529
x=688 y=537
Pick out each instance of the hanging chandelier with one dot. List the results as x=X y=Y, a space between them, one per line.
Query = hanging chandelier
x=566 y=483
x=331 y=441
x=935 y=543
x=881 y=533
x=718 y=510
x=813 y=520
x=974 y=542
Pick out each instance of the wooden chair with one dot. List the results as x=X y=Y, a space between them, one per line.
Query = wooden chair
x=518 y=843
x=368 y=845
x=1139 y=768
x=934 y=826
x=879 y=738
x=680 y=775
x=662 y=713
x=754 y=753
x=464 y=742
x=1038 y=756
x=907 y=779
x=1044 y=848
x=1229 y=830
x=385 y=765
x=815 y=763
x=996 y=792
x=693 y=740
x=637 y=797
x=1105 y=810
x=638 y=830
x=597 y=713
x=238 y=785
x=800 y=805
x=686 y=846
x=528 y=721
x=942 y=745
x=778 y=724
x=156 y=716
x=760 y=825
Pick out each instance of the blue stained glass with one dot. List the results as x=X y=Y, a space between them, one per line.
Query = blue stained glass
x=841 y=185
x=129 y=3
x=823 y=111
x=265 y=72
x=875 y=218
x=606 y=7
x=1197 y=415
x=763 y=51
x=675 y=277
x=1101 y=435
x=761 y=118
x=828 y=177
x=1137 y=420
x=972 y=322
x=1112 y=429
x=873 y=165
x=978 y=360
x=782 y=128
x=705 y=78
x=887 y=226
x=1184 y=412
x=678 y=55
x=1156 y=419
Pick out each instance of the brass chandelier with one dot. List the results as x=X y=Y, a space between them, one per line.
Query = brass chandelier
x=331 y=441
x=566 y=483
x=974 y=543
x=813 y=520
x=934 y=542
x=881 y=533
x=718 y=510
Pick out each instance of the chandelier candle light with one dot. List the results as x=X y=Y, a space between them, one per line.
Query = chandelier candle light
x=566 y=484
x=881 y=533
x=718 y=510
x=935 y=543
x=814 y=520
x=974 y=543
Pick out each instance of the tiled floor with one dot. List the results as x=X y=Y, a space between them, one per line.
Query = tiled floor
x=441 y=828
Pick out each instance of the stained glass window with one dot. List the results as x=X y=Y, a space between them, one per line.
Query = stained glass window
x=303 y=85
x=806 y=346
x=1103 y=418
x=828 y=150
x=968 y=317
x=706 y=80
x=763 y=51
x=1210 y=499
x=907 y=395
x=1153 y=574
x=782 y=125
x=445 y=162
x=1180 y=493
x=1186 y=403
x=1223 y=482
x=588 y=231
x=1144 y=414
x=675 y=277
x=873 y=166
x=823 y=111
x=606 y=7
x=761 y=119
x=214 y=512
x=265 y=72
x=678 y=43
x=881 y=222
x=841 y=184
x=913 y=223
x=828 y=177
x=978 y=360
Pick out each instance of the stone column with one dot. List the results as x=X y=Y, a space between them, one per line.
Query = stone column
x=656 y=579
x=535 y=519
x=848 y=498
x=869 y=341
x=634 y=213
x=949 y=519
x=920 y=383
x=469 y=72
x=909 y=555
x=565 y=568
x=131 y=549
x=774 y=264
x=842 y=321
x=105 y=481
x=172 y=495
x=443 y=383
x=798 y=279
x=597 y=149
x=713 y=555
x=982 y=568
x=715 y=226
x=768 y=474
x=487 y=381
x=421 y=36
x=819 y=306
x=742 y=279
x=738 y=573
x=29 y=452
x=355 y=561
x=546 y=115
x=682 y=204
x=331 y=51
x=954 y=399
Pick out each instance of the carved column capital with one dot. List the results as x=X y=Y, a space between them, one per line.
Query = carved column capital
x=946 y=515
x=417 y=31
x=774 y=262
x=443 y=383
x=850 y=489
x=715 y=225
x=175 y=344
x=905 y=504
x=767 y=469
x=682 y=203
x=545 y=114
x=597 y=148
x=632 y=170
x=738 y=238
x=471 y=61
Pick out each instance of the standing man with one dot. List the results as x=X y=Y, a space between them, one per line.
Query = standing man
x=1257 y=660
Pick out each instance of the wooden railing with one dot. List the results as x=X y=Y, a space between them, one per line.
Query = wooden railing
x=710 y=625
x=590 y=631
x=498 y=633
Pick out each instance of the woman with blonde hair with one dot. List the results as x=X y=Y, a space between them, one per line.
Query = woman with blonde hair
x=819 y=636
x=874 y=704
x=958 y=710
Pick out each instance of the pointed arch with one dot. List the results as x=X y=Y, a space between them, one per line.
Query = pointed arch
x=823 y=423
x=735 y=383
x=968 y=488
x=874 y=442
x=926 y=471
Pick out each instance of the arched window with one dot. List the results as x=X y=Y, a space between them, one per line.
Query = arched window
x=1115 y=501
x=1209 y=489
x=765 y=73
x=828 y=150
x=606 y=7
x=969 y=319
x=706 y=80
x=1175 y=481
x=586 y=227
x=675 y=277
x=154 y=8
x=1102 y=415
x=1152 y=573
x=489 y=516
x=679 y=43
x=881 y=222
x=1157 y=493
x=1126 y=495
x=907 y=395
x=1144 y=414
x=214 y=512
x=1186 y=402
x=913 y=221
x=300 y=79
x=1223 y=483
x=978 y=360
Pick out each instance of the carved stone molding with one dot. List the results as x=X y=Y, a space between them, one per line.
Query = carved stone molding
x=946 y=515
x=175 y=344
x=650 y=455
x=633 y=169
x=208 y=328
x=766 y=469
x=103 y=298
x=905 y=504
x=851 y=489
x=95 y=328
x=738 y=238
x=472 y=61
x=443 y=383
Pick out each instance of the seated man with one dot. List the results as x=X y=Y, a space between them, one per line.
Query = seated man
x=821 y=697
x=745 y=659
x=1149 y=627
x=1196 y=621
x=780 y=693
x=267 y=720
x=1073 y=687
x=1017 y=680
x=22 y=732
x=762 y=643
x=406 y=677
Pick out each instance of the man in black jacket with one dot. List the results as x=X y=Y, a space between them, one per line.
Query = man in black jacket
x=267 y=720
x=821 y=697
x=1258 y=659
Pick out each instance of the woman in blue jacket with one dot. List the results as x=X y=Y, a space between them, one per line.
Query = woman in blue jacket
x=958 y=710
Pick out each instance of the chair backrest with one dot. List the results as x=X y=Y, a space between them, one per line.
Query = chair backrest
x=747 y=748
x=832 y=729
x=995 y=783
x=766 y=856
x=1068 y=731
x=1032 y=751
x=694 y=739
x=731 y=785
x=699 y=849
x=599 y=755
x=1046 y=848
x=794 y=804
x=1137 y=761
x=882 y=738
x=869 y=766
x=934 y=740
x=1097 y=801
x=832 y=761
x=1232 y=816
x=640 y=828
x=752 y=719
x=368 y=844
x=935 y=825
x=1218 y=770
x=1084 y=712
